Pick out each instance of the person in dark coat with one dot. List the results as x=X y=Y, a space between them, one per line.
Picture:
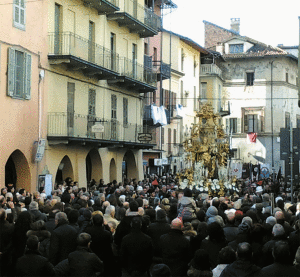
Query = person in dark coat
x=243 y=265
x=6 y=232
x=83 y=262
x=22 y=225
x=175 y=249
x=124 y=227
x=136 y=250
x=33 y=263
x=101 y=245
x=36 y=213
x=230 y=230
x=157 y=229
x=38 y=229
x=278 y=234
x=281 y=265
x=214 y=243
x=63 y=239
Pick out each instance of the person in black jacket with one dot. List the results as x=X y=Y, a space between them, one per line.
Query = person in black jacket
x=63 y=239
x=83 y=262
x=33 y=263
x=243 y=265
x=136 y=250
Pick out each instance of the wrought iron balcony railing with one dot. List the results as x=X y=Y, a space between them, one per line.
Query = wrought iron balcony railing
x=66 y=125
x=81 y=50
x=136 y=71
x=137 y=18
x=163 y=70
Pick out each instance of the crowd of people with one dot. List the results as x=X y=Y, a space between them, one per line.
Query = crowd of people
x=149 y=228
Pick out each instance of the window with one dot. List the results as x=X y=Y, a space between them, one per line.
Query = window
x=113 y=50
x=169 y=140
x=162 y=135
x=253 y=120
x=286 y=77
x=19 y=74
x=233 y=125
x=125 y=112
x=219 y=98
x=175 y=136
x=287 y=120
x=182 y=96
x=146 y=48
x=19 y=14
x=182 y=59
x=154 y=54
x=113 y=107
x=195 y=99
x=250 y=78
x=297 y=121
x=236 y=48
x=195 y=66
x=203 y=90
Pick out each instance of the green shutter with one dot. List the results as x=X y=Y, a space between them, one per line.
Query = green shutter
x=27 y=77
x=11 y=72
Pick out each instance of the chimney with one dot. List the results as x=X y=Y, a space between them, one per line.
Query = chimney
x=235 y=25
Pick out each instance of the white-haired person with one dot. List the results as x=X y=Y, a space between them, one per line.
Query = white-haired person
x=110 y=214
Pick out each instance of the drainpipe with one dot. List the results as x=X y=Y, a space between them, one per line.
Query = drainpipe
x=272 y=128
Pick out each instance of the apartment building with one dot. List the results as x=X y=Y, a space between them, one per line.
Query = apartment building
x=97 y=81
x=22 y=85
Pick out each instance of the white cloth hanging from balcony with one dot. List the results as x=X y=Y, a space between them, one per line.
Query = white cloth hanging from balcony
x=163 y=116
x=179 y=110
x=155 y=114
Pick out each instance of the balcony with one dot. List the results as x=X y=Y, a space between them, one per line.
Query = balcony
x=69 y=128
x=137 y=18
x=103 y=6
x=210 y=69
x=134 y=76
x=225 y=109
x=163 y=70
x=79 y=53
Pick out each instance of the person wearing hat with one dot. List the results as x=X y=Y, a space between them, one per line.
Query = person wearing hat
x=175 y=249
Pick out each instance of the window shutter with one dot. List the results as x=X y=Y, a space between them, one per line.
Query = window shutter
x=11 y=72
x=16 y=12
x=27 y=76
x=239 y=127
x=227 y=126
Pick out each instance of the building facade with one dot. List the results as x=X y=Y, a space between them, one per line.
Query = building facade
x=22 y=85
x=97 y=81
x=260 y=82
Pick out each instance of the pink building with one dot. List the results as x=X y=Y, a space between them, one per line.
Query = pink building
x=22 y=48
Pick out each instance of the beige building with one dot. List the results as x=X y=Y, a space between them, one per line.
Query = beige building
x=97 y=80
x=22 y=85
x=260 y=83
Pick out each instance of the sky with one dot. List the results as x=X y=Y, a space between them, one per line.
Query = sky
x=268 y=21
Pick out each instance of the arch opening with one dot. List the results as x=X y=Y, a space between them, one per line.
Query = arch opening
x=64 y=170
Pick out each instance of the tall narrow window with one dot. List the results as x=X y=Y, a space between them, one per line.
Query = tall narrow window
x=19 y=74
x=162 y=135
x=233 y=125
x=19 y=14
x=113 y=51
x=287 y=120
x=57 y=29
x=91 y=111
x=70 y=108
x=250 y=78
x=113 y=116
x=125 y=112
x=146 y=48
x=134 y=60
x=195 y=99
x=182 y=60
x=155 y=54
x=91 y=41
x=287 y=77
x=203 y=90
x=175 y=136
x=169 y=140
